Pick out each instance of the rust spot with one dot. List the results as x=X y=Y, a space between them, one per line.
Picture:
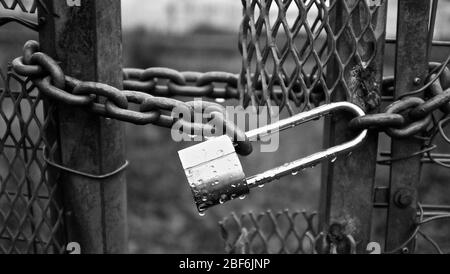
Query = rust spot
x=363 y=88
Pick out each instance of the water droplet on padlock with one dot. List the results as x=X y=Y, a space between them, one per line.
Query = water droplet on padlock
x=220 y=100
x=295 y=173
x=223 y=198
x=334 y=159
x=261 y=186
x=202 y=214
x=233 y=186
x=242 y=197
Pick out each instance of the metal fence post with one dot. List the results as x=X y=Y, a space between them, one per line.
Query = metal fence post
x=348 y=183
x=85 y=36
x=410 y=72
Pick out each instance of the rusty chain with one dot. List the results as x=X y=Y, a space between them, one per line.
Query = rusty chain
x=49 y=78
x=409 y=116
x=151 y=89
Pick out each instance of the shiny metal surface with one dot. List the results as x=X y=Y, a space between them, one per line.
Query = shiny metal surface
x=214 y=171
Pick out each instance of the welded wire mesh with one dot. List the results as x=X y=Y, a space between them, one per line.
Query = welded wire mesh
x=31 y=214
x=297 y=54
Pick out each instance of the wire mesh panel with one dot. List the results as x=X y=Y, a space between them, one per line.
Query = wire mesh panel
x=31 y=217
x=298 y=53
x=270 y=233
x=31 y=212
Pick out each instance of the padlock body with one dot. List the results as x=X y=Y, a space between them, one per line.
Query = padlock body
x=214 y=172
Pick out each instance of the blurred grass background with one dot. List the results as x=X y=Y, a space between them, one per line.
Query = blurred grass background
x=161 y=213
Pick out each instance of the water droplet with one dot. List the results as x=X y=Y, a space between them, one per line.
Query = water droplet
x=223 y=198
x=202 y=214
x=295 y=173
x=220 y=100
x=242 y=197
x=261 y=186
x=233 y=186
x=334 y=159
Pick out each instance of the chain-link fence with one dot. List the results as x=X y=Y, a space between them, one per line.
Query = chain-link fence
x=31 y=211
x=31 y=214
x=298 y=53
x=270 y=233
x=304 y=53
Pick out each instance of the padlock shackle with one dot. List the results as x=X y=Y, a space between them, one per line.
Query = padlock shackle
x=303 y=118
x=314 y=159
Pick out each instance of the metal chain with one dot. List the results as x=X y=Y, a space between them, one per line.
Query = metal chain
x=49 y=78
x=152 y=88
x=410 y=115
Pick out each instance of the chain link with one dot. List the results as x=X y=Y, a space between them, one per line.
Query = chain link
x=410 y=115
x=152 y=90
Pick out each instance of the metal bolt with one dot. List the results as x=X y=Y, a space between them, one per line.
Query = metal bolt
x=42 y=20
x=403 y=198
x=417 y=81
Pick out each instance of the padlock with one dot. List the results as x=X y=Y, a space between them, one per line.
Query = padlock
x=215 y=174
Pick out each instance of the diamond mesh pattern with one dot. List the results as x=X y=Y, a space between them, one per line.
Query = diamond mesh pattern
x=268 y=233
x=29 y=6
x=31 y=216
x=297 y=53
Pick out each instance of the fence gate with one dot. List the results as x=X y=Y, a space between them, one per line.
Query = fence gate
x=62 y=185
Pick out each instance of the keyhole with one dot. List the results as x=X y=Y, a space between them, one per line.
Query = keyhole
x=73 y=3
